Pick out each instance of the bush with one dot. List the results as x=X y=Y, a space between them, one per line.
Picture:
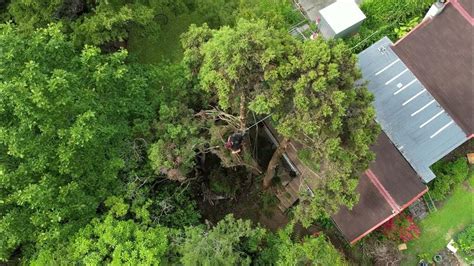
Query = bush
x=448 y=175
x=269 y=201
x=405 y=28
x=383 y=17
x=465 y=243
x=277 y=13
x=401 y=227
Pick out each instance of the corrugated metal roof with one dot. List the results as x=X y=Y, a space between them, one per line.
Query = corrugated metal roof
x=413 y=120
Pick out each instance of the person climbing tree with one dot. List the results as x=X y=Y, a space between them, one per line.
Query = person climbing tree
x=234 y=142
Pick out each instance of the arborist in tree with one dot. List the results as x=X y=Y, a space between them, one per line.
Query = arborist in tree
x=234 y=142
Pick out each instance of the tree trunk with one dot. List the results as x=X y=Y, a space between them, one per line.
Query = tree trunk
x=267 y=179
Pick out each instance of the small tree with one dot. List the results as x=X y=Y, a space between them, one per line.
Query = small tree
x=465 y=243
x=230 y=242
x=283 y=249
x=177 y=136
x=173 y=154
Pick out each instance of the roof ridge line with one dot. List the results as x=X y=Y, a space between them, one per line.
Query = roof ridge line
x=393 y=204
x=462 y=11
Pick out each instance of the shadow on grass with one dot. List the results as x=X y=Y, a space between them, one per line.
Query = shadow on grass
x=166 y=46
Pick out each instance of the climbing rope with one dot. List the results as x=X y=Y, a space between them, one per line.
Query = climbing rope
x=234 y=141
x=256 y=123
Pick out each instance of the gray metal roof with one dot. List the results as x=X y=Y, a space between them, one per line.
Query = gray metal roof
x=413 y=120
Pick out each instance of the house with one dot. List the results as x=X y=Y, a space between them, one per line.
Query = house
x=424 y=100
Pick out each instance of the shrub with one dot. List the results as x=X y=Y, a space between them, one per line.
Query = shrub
x=401 y=227
x=465 y=243
x=269 y=201
x=449 y=174
x=278 y=13
x=405 y=28
x=223 y=182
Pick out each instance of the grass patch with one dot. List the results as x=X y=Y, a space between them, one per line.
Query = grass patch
x=439 y=227
x=166 y=46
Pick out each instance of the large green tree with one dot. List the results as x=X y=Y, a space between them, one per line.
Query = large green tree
x=231 y=63
x=232 y=66
x=308 y=87
x=66 y=120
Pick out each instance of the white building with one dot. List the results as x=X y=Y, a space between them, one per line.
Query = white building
x=340 y=19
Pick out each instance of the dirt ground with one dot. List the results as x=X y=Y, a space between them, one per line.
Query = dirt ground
x=248 y=203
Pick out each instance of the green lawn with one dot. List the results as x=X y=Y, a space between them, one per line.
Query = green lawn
x=167 y=46
x=439 y=227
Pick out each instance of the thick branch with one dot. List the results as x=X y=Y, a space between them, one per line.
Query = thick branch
x=267 y=179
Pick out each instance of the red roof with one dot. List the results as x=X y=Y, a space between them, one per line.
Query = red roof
x=388 y=187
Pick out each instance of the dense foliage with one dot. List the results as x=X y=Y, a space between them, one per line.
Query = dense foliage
x=465 y=243
x=310 y=250
x=401 y=227
x=112 y=241
x=386 y=18
x=230 y=242
x=309 y=89
x=60 y=111
x=448 y=175
x=92 y=142
x=108 y=24
x=91 y=22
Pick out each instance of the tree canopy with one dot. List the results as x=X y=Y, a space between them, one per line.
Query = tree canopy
x=60 y=110
x=309 y=90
